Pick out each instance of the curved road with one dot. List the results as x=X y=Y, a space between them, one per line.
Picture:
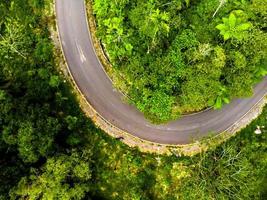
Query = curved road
x=93 y=82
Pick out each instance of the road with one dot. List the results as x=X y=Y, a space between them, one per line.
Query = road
x=97 y=88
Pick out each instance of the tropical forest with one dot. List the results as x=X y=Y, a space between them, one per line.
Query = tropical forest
x=183 y=56
x=173 y=58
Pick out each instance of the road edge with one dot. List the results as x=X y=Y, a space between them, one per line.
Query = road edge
x=145 y=146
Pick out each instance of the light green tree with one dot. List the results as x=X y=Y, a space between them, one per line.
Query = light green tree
x=63 y=177
x=13 y=40
x=234 y=27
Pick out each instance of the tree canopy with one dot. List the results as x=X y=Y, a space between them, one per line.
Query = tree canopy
x=183 y=52
x=50 y=150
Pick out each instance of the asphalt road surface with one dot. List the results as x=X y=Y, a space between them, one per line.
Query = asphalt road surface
x=93 y=82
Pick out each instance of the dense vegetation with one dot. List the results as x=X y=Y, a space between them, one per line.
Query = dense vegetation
x=183 y=56
x=51 y=151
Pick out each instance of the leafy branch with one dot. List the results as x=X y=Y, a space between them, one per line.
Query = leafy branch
x=233 y=27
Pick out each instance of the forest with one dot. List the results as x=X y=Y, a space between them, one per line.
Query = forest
x=183 y=56
x=51 y=151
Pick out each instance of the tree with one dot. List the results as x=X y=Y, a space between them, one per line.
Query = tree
x=234 y=27
x=63 y=177
x=151 y=22
x=33 y=138
x=13 y=41
x=157 y=105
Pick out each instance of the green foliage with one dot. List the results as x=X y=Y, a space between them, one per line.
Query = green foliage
x=151 y=22
x=54 y=81
x=72 y=122
x=13 y=42
x=261 y=70
x=2 y=95
x=187 y=39
x=28 y=120
x=234 y=27
x=222 y=98
x=173 y=48
x=63 y=177
x=234 y=170
x=159 y=105
x=50 y=150
x=259 y=7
